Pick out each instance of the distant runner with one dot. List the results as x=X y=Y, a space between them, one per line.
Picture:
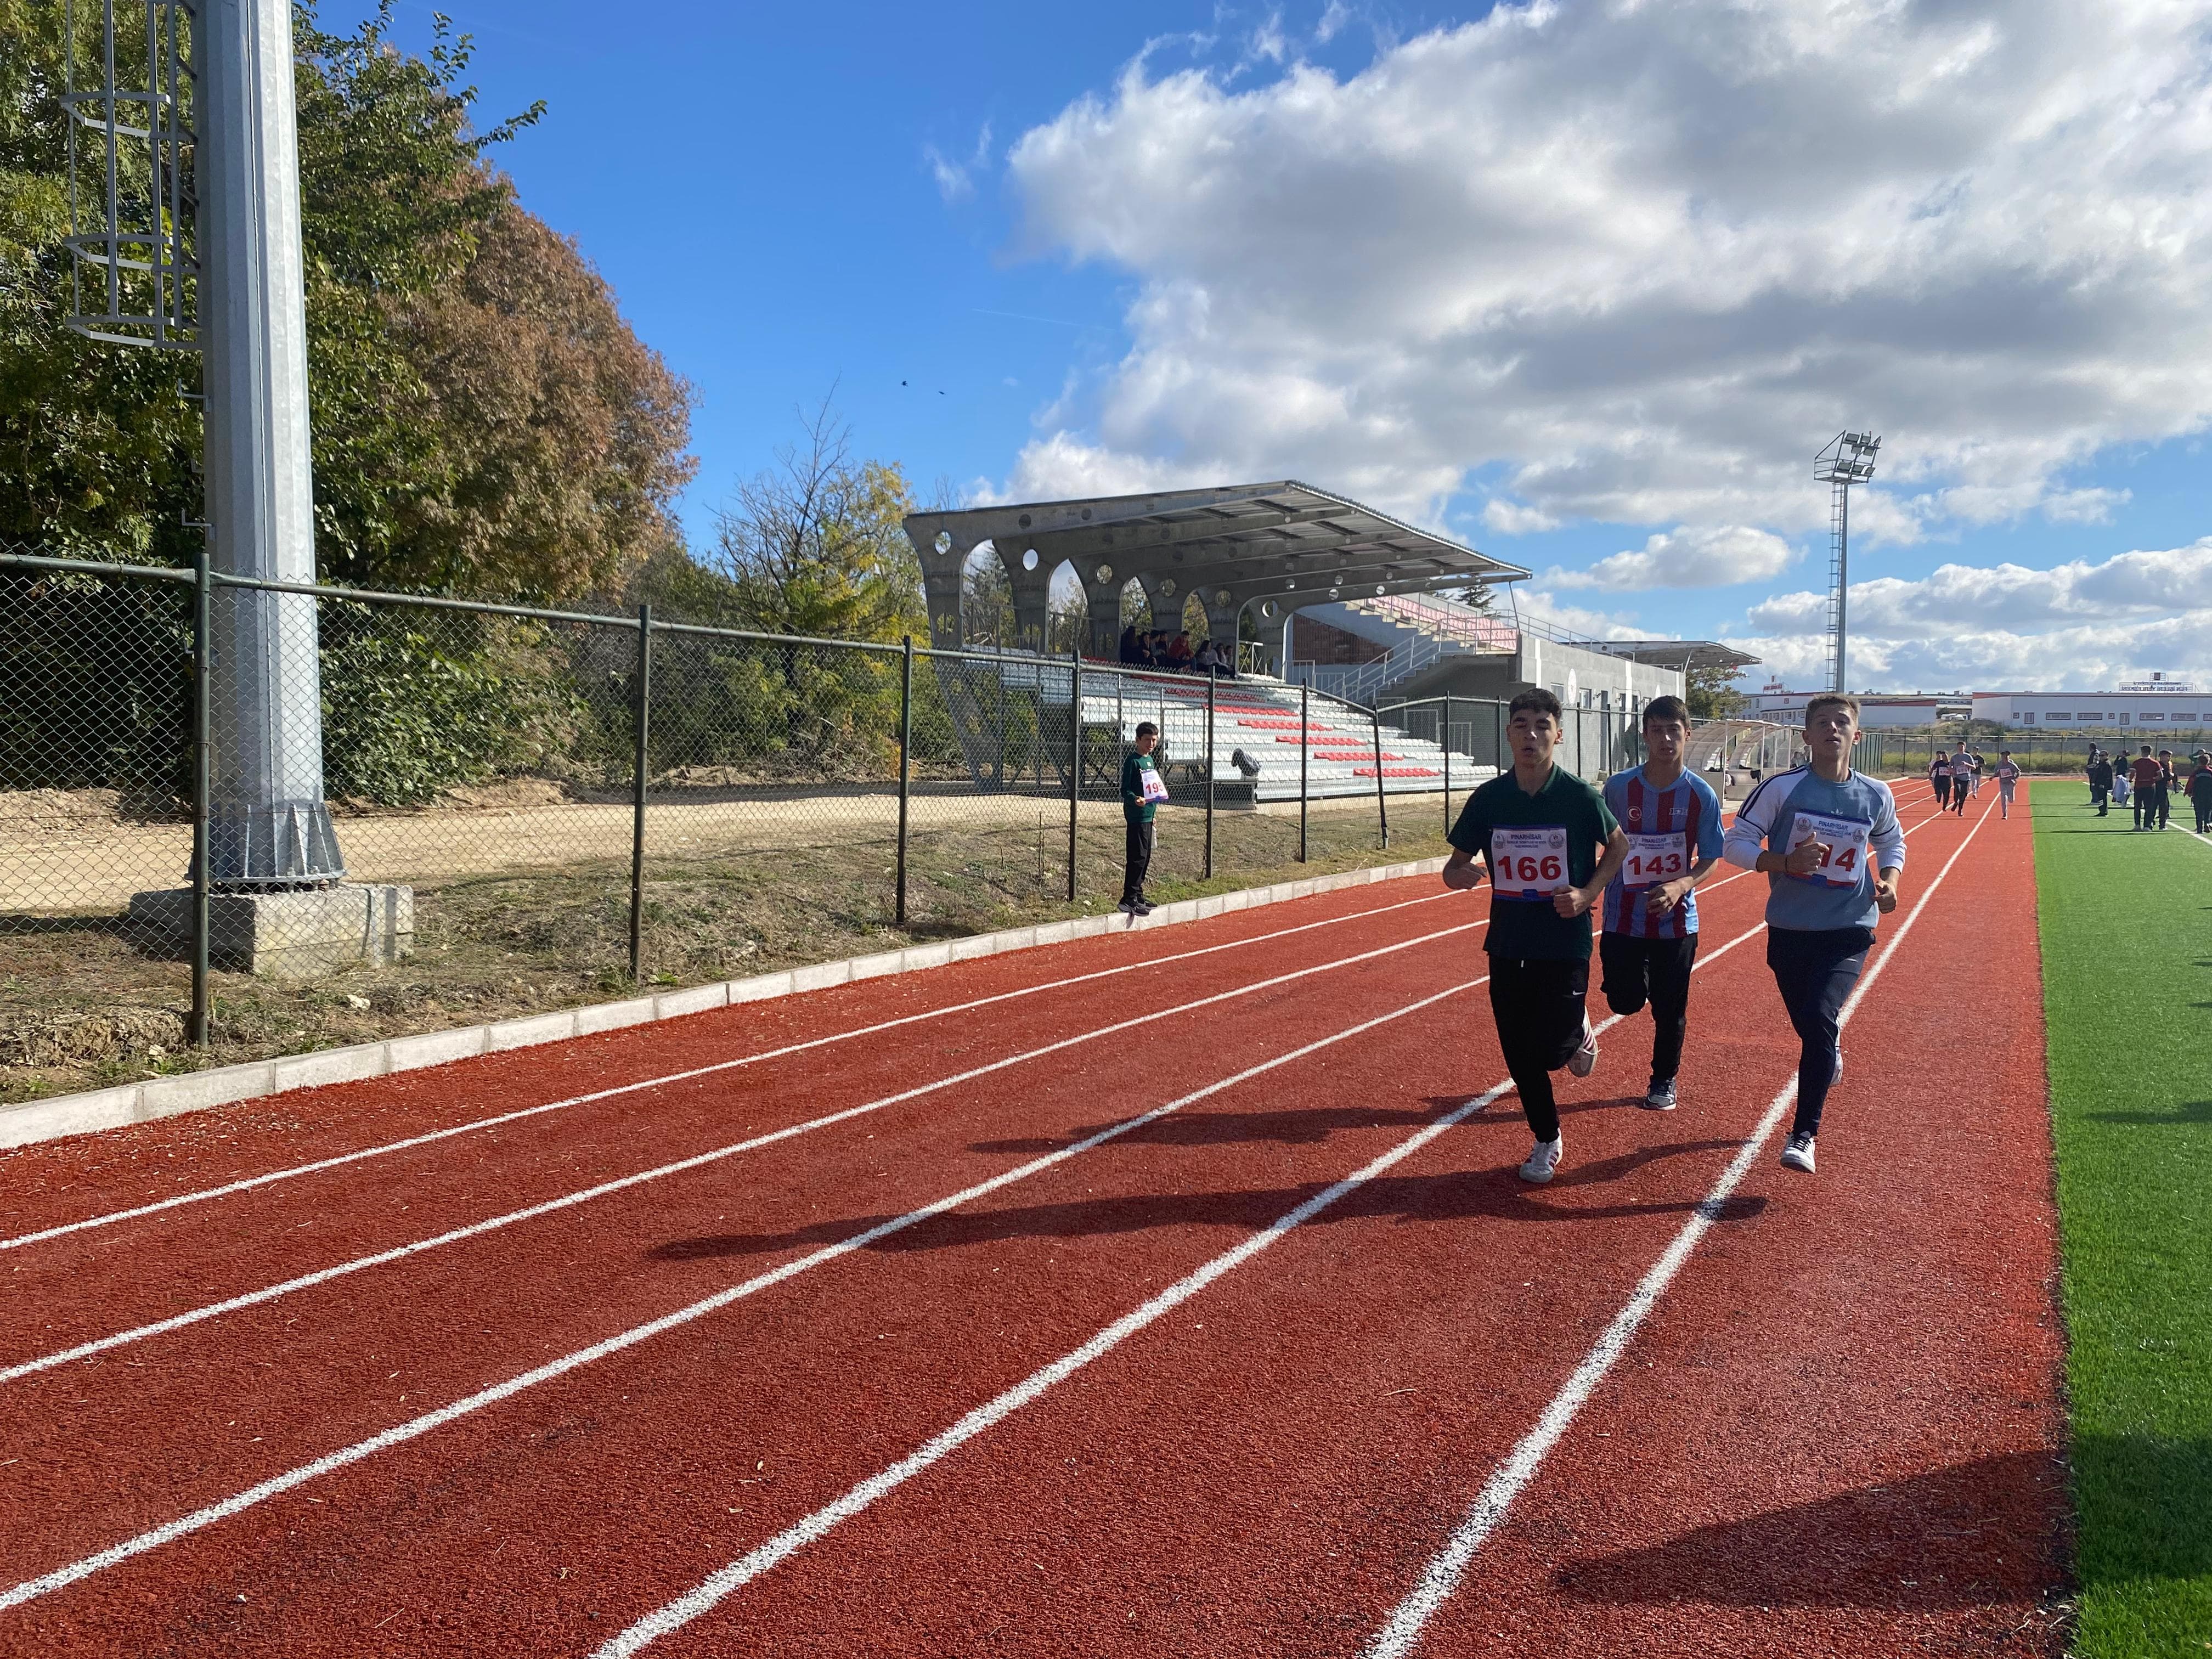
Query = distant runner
x=1828 y=841
x=1550 y=845
x=2007 y=779
x=1962 y=778
x=1939 y=777
x=1651 y=935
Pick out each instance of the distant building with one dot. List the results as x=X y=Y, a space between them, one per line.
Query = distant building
x=2148 y=706
x=1788 y=708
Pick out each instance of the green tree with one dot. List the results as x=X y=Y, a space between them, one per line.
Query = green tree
x=817 y=544
x=1711 y=694
x=484 y=422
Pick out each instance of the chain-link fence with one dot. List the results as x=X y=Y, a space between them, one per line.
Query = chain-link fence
x=267 y=817
x=1907 y=752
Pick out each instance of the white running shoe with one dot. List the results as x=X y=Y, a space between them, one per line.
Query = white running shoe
x=1584 y=1061
x=1661 y=1097
x=1798 y=1154
x=1544 y=1161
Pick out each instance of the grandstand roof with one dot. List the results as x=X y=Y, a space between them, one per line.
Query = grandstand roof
x=1682 y=655
x=1282 y=544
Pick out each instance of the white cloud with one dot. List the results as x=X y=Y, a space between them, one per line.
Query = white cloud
x=2129 y=588
x=1541 y=606
x=1511 y=518
x=2081 y=626
x=1719 y=557
x=956 y=180
x=1647 y=258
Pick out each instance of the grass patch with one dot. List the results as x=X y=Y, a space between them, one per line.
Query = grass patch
x=2126 y=921
x=81 y=1005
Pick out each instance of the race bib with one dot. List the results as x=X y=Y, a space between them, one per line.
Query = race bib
x=1655 y=859
x=1846 y=840
x=1528 y=863
x=1155 y=786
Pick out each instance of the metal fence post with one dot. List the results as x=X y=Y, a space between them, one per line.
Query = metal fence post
x=1075 y=770
x=643 y=727
x=195 y=1032
x=1305 y=715
x=1447 y=748
x=906 y=761
x=1381 y=812
x=1212 y=684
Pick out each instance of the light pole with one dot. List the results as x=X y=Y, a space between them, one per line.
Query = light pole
x=1847 y=461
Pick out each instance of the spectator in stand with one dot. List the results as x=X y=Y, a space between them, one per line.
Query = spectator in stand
x=2142 y=783
x=2100 y=781
x=1132 y=650
x=2200 y=790
x=1939 y=779
x=1180 y=653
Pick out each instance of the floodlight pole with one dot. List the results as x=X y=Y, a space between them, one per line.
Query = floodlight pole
x=1847 y=461
x=272 y=827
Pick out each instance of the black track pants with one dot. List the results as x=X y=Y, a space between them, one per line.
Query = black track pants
x=1816 y=970
x=1137 y=854
x=1540 y=1007
x=1657 y=971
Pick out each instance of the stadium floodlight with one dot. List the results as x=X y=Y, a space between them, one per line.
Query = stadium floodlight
x=185 y=228
x=1847 y=461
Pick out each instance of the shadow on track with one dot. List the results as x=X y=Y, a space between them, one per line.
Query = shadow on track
x=1497 y=1195
x=1309 y=1126
x=1978 y=1533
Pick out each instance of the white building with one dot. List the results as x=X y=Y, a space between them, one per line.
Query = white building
x=1788 y=708
x=2148 y=706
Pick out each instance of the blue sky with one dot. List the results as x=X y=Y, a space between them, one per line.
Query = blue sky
x=1104 y=247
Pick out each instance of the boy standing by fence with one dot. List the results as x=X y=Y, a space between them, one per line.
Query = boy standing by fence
x=1551 y=846
x=1143 y=789
x=1650 y=939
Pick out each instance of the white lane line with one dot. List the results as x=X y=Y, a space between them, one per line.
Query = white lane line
x=1401 y=1633
x=718 y=1588
x=700 y=1160
x=249 y=1182
x=31 y=1590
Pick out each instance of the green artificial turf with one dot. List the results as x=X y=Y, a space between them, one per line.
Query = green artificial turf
x=2126 y=919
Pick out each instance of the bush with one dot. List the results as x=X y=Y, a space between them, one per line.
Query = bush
x=415 y=703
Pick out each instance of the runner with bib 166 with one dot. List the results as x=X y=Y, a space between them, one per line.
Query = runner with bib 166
x=1551 y=845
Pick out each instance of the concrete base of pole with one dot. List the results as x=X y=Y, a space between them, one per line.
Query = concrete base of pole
x=298 y=935
x=286 y=841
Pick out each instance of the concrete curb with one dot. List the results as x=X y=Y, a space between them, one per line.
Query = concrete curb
x=223 y=1085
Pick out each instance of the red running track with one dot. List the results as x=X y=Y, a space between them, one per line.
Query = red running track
x=1852 y=1381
